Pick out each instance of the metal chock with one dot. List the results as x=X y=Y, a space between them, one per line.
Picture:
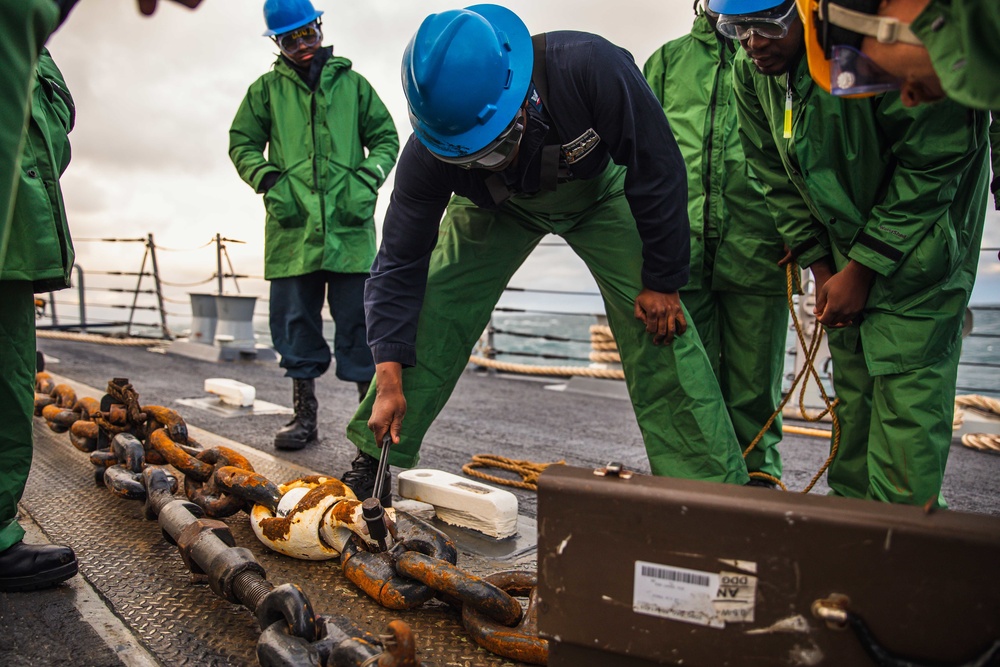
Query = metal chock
x=613 y=469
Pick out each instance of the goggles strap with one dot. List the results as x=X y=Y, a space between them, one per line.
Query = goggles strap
x=885 y=29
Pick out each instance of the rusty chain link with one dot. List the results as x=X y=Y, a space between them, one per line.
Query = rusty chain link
x=128 y=444
x=313 y=518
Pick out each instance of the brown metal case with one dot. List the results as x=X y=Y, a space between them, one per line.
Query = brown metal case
x=652 y=570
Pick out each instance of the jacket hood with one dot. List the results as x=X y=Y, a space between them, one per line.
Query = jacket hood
x=333 y=64
x=702 y=30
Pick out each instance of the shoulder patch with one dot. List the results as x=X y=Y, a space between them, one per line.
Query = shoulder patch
x=576 y=150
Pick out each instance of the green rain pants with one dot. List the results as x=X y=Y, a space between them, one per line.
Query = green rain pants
x=896 y=429
x=745 y=336
x=17 y=394
x=676 y=397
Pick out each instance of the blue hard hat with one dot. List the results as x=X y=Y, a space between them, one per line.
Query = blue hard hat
x=282 y=16
x=735 y=7
x=465 y=75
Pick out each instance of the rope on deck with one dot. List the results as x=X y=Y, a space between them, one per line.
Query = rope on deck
x=527 y=470
x=983 y=442
x=97 y=338
x=527 y=369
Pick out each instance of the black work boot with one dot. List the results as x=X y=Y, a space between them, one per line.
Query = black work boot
x=301 y=431
x=30 y=567
x=363 y=390
x=361 y=478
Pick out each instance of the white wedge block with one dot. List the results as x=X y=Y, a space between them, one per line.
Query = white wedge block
x=231 y=392
x=462 y=502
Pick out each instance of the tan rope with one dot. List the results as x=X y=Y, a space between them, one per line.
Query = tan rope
x=97 y=338
x=811 y=348
x=606 y=373
x=798 y=430
x=983 y=403
x=527 y=470
x=983 y=442
x=601 y=333
x=605 y=357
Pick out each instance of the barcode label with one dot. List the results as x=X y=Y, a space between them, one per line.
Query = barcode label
x=683 y=576
x=676 y=593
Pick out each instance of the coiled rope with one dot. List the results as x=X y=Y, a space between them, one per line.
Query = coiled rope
x=983 y=442
x=528 y=471
x=605 y=351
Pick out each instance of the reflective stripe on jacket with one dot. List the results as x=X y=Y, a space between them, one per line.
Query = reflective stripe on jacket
x=320 y=211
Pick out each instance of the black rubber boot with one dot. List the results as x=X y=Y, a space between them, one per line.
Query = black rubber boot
x=363 y=390
x=301 y=431
x=30 y=567
x=361 y=478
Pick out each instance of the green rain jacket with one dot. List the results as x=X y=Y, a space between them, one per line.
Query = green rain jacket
x=902 y=191
x=39 y=247
x=963 y=39
x=689 y=75
x=320 y=211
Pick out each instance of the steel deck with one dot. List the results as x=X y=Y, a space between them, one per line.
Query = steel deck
x=174 y=613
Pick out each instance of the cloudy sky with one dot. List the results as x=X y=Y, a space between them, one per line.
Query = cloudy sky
x=155 y=98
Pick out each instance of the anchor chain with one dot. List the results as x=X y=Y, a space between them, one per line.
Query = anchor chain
x=312 y=518
x=128 y=440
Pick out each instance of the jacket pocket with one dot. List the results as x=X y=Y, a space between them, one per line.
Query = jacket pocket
x=357 y=201
x=928 y=265
x=281 y=204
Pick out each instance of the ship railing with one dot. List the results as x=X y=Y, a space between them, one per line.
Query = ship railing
x=146 y=297
x=508 y=337
x=134 y=303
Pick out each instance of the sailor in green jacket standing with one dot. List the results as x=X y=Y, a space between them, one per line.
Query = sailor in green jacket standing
x=886 y=206
x=736 y=294
x=330 y=145
x=39 y=257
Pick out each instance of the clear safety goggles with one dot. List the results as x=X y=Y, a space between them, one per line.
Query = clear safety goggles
x=768 y=26
x=305 y=37
x=496 y=153
x=854 y=73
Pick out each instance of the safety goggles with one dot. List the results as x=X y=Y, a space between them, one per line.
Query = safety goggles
x=496 y=153
x=854 y=73
x=305 y=37
x=769 y=25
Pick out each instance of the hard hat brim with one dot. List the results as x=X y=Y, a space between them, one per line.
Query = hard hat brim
x=292 y=26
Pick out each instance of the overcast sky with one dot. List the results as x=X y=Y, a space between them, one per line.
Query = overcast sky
x=155 y=98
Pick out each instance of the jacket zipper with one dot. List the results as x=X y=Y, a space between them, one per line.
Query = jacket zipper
x=710 y=146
